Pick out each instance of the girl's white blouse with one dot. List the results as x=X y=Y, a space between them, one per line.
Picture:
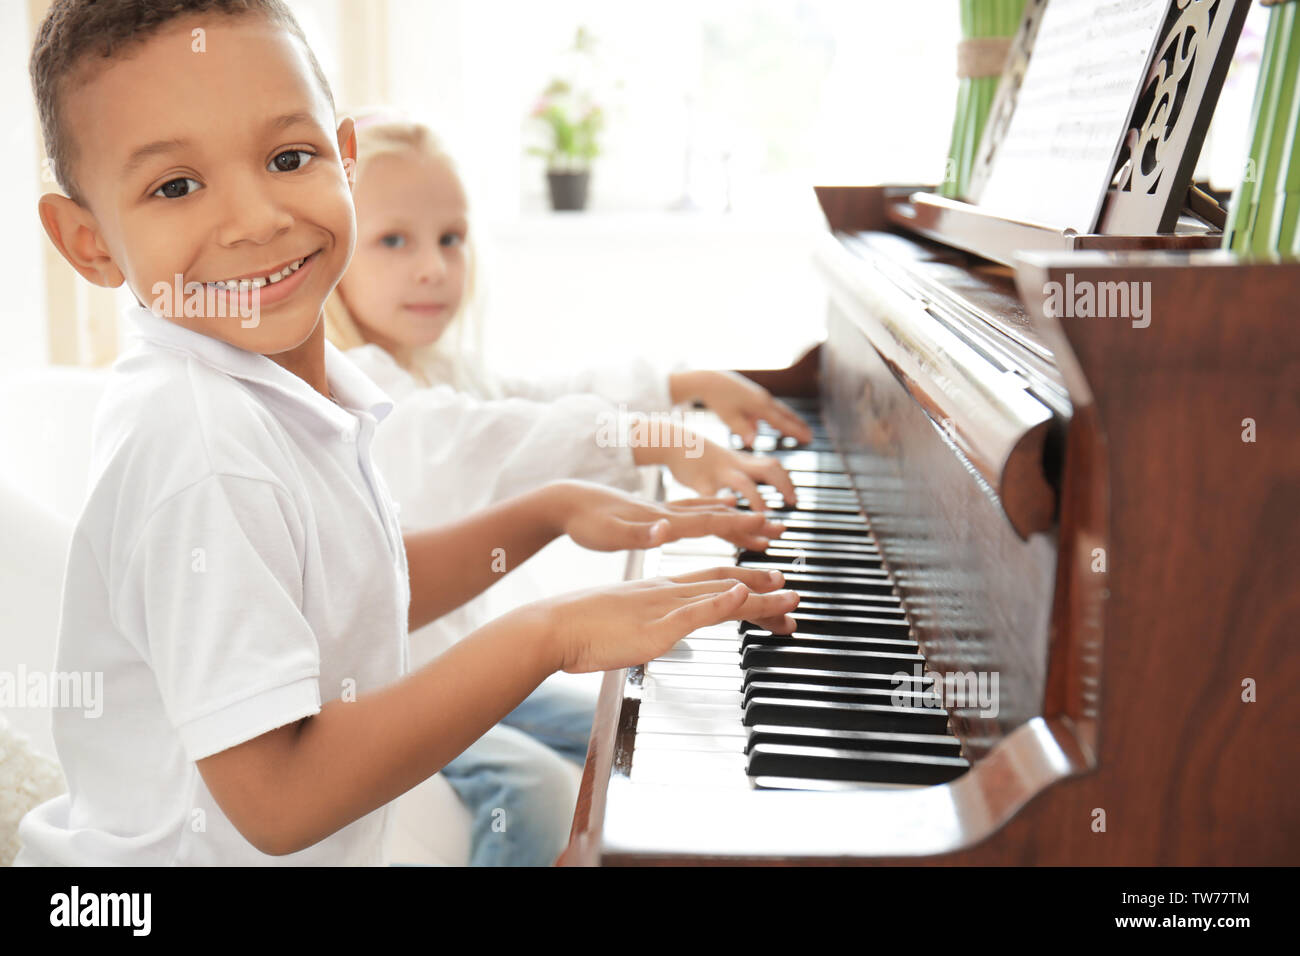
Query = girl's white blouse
x=446 y=453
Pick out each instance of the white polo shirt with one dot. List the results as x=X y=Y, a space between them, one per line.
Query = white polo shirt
x=238 y=562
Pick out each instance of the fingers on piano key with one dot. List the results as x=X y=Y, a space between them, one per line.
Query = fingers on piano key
x=771 y=472
x=816 y=698
x=755 y=579
x=785 y=419
x=717 y=501
x=705 y=610
x=708 y=603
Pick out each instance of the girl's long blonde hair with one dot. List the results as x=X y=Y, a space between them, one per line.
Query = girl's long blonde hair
x=459 y=350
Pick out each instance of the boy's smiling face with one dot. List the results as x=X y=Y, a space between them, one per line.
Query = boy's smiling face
x=211 y=166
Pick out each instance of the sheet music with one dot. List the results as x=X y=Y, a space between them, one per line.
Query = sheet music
x=1084 y=76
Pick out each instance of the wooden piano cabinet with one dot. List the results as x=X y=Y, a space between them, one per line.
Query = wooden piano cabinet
x=1202 y=543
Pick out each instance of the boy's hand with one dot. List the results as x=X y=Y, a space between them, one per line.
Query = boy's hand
x=739 y=402
x=604 y=519
x=630 y=623
x=706 y=468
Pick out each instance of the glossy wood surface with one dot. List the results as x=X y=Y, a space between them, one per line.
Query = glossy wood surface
x=1000 y=239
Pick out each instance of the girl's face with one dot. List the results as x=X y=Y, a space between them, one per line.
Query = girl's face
x=407 y=276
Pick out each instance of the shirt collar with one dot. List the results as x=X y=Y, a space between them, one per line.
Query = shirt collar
x=351 y=387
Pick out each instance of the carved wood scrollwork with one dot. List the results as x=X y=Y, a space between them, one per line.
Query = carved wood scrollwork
x=1159 y=152
x=1144 y=155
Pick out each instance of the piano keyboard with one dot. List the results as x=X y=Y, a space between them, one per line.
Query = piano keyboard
x=736 y=706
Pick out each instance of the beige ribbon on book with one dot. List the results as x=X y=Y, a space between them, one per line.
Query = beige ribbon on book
x=982 y=56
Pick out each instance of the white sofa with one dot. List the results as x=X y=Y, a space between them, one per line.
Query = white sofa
x=45 y=429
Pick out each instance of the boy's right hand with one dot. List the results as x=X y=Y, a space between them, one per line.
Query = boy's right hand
x=604 y=519
x=627 y=624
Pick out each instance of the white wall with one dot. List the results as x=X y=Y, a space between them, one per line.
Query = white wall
x=22 y=309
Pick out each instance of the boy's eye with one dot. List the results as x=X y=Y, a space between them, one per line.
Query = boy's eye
x=176 y=188
x=287 y=161
x=393 y=240
x=452 y=239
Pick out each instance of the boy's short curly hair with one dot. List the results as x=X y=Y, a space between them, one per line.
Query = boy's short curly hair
x=77 y=36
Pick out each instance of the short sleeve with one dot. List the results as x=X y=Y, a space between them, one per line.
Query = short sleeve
x=212 y=596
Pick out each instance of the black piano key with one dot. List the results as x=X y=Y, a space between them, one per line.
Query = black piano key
x=855 y=538
x=822 y=511
x=805 y=459
x=831 y=659
x=811 y=623
x=840 y=607
x=839 y=496
x=833 y=678
x=804 y=563
x=830 y=509
x=819 y=479
x=827 y=542
x=838 y=560
x=879 y=603
x=756 y=638
x=837 y=715
x=938 y=745
x=778 y=760
x=834 y=509
x=815 y=562
x=800 y=579
x=828 y=525
x=825 y=571
x=847 y=695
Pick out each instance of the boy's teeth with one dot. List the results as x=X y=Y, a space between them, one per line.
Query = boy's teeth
x=243 y=285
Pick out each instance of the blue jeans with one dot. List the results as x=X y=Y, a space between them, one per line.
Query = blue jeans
x=515 y=782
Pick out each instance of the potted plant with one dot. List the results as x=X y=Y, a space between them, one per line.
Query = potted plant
x=571 y=122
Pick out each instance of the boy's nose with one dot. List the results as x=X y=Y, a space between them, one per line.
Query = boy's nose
x=253 y=215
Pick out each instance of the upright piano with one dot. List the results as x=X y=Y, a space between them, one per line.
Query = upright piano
x=1046 y=542
x=1077 y=539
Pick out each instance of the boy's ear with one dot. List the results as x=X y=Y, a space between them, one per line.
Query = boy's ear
x=74 y=233
x=348 y=149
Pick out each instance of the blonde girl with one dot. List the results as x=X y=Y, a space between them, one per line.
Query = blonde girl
x=408 y=312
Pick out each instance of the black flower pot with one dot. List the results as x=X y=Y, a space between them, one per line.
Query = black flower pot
x=568 y=190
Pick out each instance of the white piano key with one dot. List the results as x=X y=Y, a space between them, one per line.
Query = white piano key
x=680 y=653
x=689 y=668
x=690 y=768
x=717 y=631
x=708 y=546
x=698 y=742
x=689 y=682
x=686 y=695
x=676 y=566
x=710 y=644
x=691 y=710
x=691 y=725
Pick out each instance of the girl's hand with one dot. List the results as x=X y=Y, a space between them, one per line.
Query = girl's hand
x=739 y=402
x=636 y=621
x=604 y=519
x=706 y=468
